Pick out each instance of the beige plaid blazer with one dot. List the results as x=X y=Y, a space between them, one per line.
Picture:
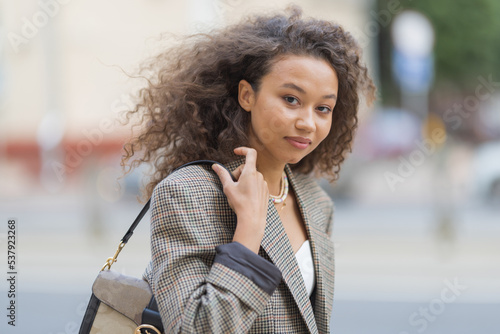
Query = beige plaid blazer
x=190 y=216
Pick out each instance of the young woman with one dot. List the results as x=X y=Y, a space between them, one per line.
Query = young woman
x=274 y=98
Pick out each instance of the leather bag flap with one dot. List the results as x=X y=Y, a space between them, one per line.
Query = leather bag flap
x=126 y=294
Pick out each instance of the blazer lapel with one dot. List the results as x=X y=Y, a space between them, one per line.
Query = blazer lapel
x=277 y=246
x=279 y=250
x=322 y=251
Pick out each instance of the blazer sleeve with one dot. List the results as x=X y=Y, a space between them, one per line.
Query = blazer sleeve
x=198 y=284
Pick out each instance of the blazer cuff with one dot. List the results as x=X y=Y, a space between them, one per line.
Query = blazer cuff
x=242 y=260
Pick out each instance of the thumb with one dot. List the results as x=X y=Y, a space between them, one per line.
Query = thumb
x=223 y=174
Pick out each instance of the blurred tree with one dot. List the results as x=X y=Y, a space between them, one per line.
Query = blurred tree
x=467 y=43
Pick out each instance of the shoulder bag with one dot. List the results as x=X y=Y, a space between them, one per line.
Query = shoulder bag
x=125 y=304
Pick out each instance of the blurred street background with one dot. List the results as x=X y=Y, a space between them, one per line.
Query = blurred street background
x=417 y=225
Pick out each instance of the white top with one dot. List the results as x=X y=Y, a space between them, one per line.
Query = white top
x=305 y=261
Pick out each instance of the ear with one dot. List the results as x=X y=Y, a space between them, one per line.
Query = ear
x=246 y=95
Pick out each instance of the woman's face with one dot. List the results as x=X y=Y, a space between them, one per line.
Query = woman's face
x=291 y=114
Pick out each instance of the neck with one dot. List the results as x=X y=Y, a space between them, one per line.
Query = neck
x=268 y=166
x=272 y=173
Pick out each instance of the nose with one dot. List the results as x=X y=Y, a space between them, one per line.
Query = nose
x=305 y=120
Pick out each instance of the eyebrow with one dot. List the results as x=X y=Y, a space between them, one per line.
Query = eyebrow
x=302 y=91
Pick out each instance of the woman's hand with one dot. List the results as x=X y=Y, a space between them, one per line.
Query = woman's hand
x=248 y=197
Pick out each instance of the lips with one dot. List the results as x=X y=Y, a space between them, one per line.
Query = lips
x=299 y=142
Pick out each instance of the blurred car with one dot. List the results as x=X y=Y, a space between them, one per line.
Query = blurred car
x=387 y=133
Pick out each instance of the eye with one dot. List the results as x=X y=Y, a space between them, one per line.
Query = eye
x=324 y=109
x=291 y=100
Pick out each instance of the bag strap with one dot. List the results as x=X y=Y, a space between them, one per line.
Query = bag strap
x=128 y=235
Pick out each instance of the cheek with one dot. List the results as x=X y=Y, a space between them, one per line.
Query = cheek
x=271 y=120
x=325 y=128
x=278 y=122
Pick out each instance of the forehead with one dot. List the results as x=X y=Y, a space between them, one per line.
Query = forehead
x=303 y=71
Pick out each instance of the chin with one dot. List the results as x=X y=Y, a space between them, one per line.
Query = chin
x=294 y=160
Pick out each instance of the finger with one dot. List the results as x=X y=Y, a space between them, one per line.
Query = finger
x=251 y=157
x=237 y=171
x=223 y=174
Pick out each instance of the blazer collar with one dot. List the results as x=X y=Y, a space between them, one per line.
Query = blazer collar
x=234 y=164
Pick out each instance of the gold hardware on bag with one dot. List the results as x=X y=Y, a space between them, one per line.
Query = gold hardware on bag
x=146 y=327
x=111 y=260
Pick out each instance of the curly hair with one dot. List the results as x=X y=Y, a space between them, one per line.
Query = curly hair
x=189 y=109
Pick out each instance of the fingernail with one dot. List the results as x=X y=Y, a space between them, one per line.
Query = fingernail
x=215 y=167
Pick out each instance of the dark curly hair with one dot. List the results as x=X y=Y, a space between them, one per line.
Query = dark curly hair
x=189 y=110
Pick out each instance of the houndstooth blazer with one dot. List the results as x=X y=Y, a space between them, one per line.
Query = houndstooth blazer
x=190 y=216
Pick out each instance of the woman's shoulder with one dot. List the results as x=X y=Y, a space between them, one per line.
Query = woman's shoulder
x=189 y=178
x=309 y=185
x=196 y=177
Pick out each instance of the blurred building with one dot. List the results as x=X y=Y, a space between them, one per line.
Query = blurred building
x=64 y=69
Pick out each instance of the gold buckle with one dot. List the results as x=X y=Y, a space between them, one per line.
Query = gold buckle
x=146 y=327
x=111 y=260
